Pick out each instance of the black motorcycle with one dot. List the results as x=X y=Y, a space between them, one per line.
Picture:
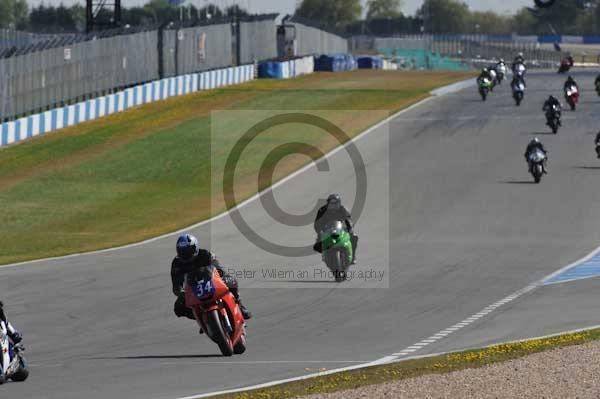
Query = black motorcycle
x=553 y=117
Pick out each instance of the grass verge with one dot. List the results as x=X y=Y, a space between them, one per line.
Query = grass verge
x=147 y=171
x=416 y=367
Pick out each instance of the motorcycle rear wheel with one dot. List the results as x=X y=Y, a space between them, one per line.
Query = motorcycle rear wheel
x=216 y=328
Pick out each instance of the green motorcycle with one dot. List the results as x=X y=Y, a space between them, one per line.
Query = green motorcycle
x=336 y=245
x=485 y=86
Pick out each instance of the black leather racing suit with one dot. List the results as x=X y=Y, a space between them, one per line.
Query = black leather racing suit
x=178 y=271
x=327 y=215
x=547 y=108
x=570 y=83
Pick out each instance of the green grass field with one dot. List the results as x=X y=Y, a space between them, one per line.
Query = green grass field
x=144 y=172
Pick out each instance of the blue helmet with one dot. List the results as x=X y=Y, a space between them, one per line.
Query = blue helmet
x=187 y=247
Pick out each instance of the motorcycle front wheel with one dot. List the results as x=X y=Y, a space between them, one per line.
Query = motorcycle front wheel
x=219 y=334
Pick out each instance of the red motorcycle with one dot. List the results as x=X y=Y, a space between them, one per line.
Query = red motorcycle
x=216 y=310
x=572 y=96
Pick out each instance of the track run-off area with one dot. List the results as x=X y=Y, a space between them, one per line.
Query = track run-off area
x=453 y=212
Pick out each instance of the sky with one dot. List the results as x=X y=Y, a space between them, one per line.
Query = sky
x=288 y=6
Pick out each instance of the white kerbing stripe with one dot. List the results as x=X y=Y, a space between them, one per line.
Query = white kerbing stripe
x=120 y=102
x=60 y=118
x=71 y=115
x=112 y=104
x=11 y=133
x=47 y=116
x=195 y=82
x=100 y=102
x=93 y=108
x=35 y=125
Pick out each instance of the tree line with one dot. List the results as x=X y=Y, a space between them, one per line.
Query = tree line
x=383 y=17
x=15 y=14
x=379 y=17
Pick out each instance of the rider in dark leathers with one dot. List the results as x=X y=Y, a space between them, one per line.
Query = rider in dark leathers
x=190 y=257
x=570 y=82
x=548 y=106
x=519 y=59
x=485 y=73
x=14 y=335
x=533 y=145
x=331 y=212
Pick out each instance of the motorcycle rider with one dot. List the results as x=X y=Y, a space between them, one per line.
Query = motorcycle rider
x=516 y=80
x=597 y=142
x=189 y=257
x=519 y=59
x=567 y=60
x=550 y=103
x=570 y=82
x=485 y=74
x=536 y=144
x=597 y=81
x=334 y=211
x=501 y=67
x=14 y=335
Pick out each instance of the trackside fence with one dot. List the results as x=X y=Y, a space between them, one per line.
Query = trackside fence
x=69 y=115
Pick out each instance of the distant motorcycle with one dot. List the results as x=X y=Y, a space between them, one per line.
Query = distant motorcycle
x=565 y=64
x=216 y=310
x=598 y=149
x=500 y=69
x=520 y=70
x=13 y=365
x=336 y=244
x=553 y=116
x=572 y=96
x=598 y=88
x=485 y=86
x=536 y=164
x=494 y=76
x=518 y=89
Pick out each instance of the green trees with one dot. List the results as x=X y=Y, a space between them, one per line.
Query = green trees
x=331 y=14
x=445 y=16
x=13 y=14
x=377 y=9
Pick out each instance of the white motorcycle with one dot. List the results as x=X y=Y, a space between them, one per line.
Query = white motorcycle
x=12 y=362
x=518 y=89
x=536 y=162
x=520 y=70
x=500 y=72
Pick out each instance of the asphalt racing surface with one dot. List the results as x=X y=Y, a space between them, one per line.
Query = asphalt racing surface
x=451 y=220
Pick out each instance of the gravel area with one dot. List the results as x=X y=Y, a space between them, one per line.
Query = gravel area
x=570 y=372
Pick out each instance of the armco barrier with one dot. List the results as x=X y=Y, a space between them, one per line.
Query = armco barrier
x=286 y=69
x=46 y=122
